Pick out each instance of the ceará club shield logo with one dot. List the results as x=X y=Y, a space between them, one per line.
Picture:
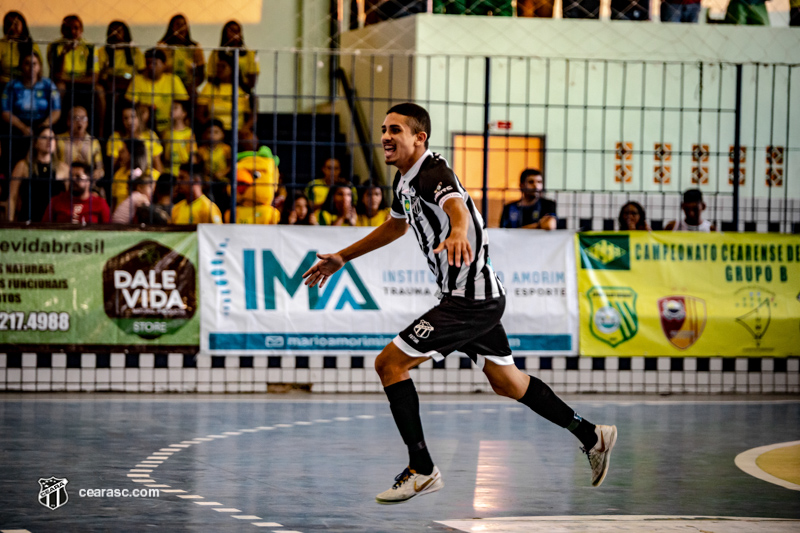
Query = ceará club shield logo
x=53 y=492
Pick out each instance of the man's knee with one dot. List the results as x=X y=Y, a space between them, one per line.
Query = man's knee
x=388 y=363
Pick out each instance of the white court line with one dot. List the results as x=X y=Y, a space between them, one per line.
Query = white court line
x=614 y=524
x=208 y=503
x=746 y=461
x=247 y=517
x=228 y=510
x=267 y=524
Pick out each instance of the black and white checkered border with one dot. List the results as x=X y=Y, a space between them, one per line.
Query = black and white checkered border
x=147 y=372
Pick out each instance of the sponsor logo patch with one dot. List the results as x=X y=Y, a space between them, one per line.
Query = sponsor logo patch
x=683 y=319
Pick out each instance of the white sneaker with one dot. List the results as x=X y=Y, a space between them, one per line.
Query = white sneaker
x=600 y=454
x=409 y=484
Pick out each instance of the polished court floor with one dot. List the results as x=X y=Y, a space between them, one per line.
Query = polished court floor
x=314 y=463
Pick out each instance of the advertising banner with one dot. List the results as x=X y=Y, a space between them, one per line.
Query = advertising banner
x=83 y=288
x=254 y=300
x=688 y=294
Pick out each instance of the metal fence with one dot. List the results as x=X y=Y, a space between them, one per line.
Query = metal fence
x=603 y=132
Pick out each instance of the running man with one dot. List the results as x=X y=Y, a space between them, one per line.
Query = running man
x=429 y=197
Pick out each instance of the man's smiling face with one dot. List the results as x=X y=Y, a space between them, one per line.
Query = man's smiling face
x=401 y=146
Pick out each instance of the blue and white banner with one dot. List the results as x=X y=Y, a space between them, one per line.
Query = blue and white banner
x=254 y=301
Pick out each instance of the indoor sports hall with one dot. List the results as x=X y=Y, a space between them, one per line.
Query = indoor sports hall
x=239 y=313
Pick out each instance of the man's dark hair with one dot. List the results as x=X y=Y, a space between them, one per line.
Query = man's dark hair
x=80 y=164
x=193 y=169
x=692 y=195
x=418 y=119
x=530 y=172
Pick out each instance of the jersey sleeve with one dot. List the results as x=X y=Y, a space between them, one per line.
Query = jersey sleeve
x=396 y=210
x=439 y=184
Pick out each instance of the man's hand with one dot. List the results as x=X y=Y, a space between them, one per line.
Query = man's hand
x=326 y=267
x=458 y=250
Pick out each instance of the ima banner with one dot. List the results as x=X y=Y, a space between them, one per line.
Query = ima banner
x=98 y=288
x=689 y=294
x=254 y=300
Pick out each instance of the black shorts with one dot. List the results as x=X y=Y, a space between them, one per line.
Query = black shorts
x=459 y=324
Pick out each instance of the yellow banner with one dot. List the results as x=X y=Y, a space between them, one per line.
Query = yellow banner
x=688 y=294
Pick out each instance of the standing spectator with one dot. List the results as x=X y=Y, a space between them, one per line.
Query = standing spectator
x=76 y=145
x=74 y=68
x=338 y=208
x=179 y=142
x=140 y=196
x=130 y=127
x=317 y=190
x=119 y=62
x=36 y=179
x=215 y=100
x=157 y=90
x=28 y=102
x=680 y=10
x=371 y=209
x=751 y=12
x=632 y=217
x=78 y=205
x=15 y=33
x=692 y=207
x=249 y=68
x=196 y=207
x=533 y=211
x=183 y=57
x=300 y=212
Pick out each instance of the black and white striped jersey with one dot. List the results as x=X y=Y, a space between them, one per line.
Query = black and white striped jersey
x=418 y=197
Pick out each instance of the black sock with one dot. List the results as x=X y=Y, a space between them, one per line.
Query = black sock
x=544 y=402
x=404 y=402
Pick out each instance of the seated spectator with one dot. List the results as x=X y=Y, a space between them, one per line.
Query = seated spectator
x=159 y=212
x=28 y=103
x=632 y=217
x=76 y=145
x=130 y=127
x=179 y=142
x=338 y=208
x=79 y=204
x=196 y=207
x=36 y=179
x=182 y=55
x=300 y=212
x=692 y=207
x=140 y=196
x=680 y=10
x=317 y=190
x=216 y=156
x=752 y=12
x=15 y=33
x=249 y=69
x=215 y=100
x=74 y=68
x=794 y=12
x=138 y=165
x=533 y=211
x=371 y=209
x=156 y=89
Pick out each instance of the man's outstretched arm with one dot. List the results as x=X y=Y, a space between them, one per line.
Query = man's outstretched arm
x=328 y=264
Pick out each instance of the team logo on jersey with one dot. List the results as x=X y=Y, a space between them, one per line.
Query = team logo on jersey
x=423 y=329
x=53 y=492
x=756 y=304
x=406 y=204
x=613 y=318
x=683 y=319
x=605 y=252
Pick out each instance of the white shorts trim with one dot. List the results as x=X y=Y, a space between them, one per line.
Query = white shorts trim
x=413 y=352
x=502 y=360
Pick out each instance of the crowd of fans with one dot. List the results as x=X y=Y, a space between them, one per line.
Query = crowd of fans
x=112 y=136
